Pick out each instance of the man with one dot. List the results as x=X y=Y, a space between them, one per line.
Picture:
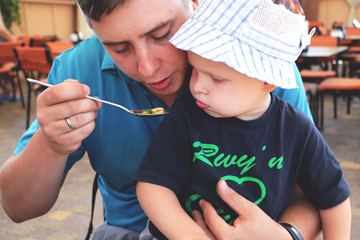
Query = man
x=129 y=62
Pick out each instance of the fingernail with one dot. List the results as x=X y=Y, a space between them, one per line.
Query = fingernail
x=223 y=185
x=86 y=90
x=193 y=214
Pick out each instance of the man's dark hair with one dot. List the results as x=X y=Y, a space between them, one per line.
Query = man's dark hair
x=94 y=9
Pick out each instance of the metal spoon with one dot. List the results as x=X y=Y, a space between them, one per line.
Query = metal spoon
x=136 y=112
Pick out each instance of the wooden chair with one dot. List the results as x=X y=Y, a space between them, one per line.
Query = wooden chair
x=9 y=67
x=41 y=41
x=317 y=76
x=352 y=31
x=352 y=57
x=26 y=39
x=314 y=24
x=328 y=83
x=324 y=41
x=347 y=87
x=34 y=63
x=55 y=48
x=36 y=40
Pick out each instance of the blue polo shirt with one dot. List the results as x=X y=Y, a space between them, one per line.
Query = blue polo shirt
x=119 y=141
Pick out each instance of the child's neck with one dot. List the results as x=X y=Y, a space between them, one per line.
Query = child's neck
x=260 y=109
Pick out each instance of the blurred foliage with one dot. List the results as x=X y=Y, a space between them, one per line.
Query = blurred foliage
x=10 y=12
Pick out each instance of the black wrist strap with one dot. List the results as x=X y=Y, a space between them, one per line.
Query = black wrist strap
x=293 y=231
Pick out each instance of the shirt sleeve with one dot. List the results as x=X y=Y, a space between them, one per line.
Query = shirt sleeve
x=321 y=176
x=167 y=161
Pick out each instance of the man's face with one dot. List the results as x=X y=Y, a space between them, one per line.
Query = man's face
x=136 y=37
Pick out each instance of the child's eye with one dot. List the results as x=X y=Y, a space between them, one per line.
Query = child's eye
x=216 y=78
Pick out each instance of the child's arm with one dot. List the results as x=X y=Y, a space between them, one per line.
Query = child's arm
x=164 y=210
x=336 y=221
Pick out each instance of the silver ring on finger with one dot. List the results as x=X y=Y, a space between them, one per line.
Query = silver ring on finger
x=69 y=123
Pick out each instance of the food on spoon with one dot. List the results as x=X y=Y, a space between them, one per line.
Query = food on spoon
x=158 y=110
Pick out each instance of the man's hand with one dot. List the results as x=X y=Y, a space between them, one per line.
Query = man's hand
x=252 y=222
x=66 y=100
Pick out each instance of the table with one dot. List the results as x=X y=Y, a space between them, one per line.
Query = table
x=313 y=54
x=323 y=52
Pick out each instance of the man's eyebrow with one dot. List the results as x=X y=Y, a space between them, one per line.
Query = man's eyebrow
x=113 y=43
x=161 y=25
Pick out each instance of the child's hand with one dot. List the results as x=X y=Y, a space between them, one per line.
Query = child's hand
x=198 y=218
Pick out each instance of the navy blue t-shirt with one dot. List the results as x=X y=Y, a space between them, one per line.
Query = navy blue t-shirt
x=261 y=159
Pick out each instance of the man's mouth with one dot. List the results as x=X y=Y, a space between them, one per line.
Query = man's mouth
x=201 y=104
x=161 y=85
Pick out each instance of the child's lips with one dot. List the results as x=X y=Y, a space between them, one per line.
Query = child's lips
x=161 y=85
x=201 y=104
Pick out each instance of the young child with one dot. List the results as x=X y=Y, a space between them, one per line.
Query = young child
x=232 y=127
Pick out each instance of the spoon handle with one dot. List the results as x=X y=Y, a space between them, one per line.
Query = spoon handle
x=89 y=97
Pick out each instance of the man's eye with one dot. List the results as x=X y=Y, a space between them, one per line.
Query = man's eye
x=162 y=38
x=122 y=51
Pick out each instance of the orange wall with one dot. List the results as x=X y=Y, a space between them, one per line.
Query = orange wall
x=61 y=17
x=46 y=17
x=328 y=11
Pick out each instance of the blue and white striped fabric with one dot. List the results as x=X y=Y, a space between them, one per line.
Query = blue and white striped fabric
x=255 y=37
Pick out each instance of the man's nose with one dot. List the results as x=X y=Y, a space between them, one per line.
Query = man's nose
x=147 y=63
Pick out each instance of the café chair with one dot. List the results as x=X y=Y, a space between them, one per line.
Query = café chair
x=352 y=57
x=9 y=67
x=317 y=76
x=312 y=76
x=26 y=39
x=315 y=24
x=352 y=63
x=352 y=31
x=55 y=48
x=33 y=63
x=39 y=41
x=325 y=41
x=346 y=87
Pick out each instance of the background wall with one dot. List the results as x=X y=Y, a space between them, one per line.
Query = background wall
x=62 y=17
x=328 y=11
x=50 y=17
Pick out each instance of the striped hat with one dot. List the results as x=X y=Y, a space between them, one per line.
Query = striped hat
x=258 y=38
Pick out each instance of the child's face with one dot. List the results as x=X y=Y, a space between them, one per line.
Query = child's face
x=223 y=92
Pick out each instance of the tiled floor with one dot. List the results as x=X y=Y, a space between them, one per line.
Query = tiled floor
x=69 y=217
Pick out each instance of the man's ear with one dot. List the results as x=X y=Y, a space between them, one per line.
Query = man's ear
x=195 y=3
x=268 y=87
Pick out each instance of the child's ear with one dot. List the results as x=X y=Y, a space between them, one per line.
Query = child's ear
x=268 y=87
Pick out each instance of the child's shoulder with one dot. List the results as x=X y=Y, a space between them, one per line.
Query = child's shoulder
x=290 y=113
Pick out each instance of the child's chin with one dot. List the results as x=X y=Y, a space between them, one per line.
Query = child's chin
x=213 y=114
